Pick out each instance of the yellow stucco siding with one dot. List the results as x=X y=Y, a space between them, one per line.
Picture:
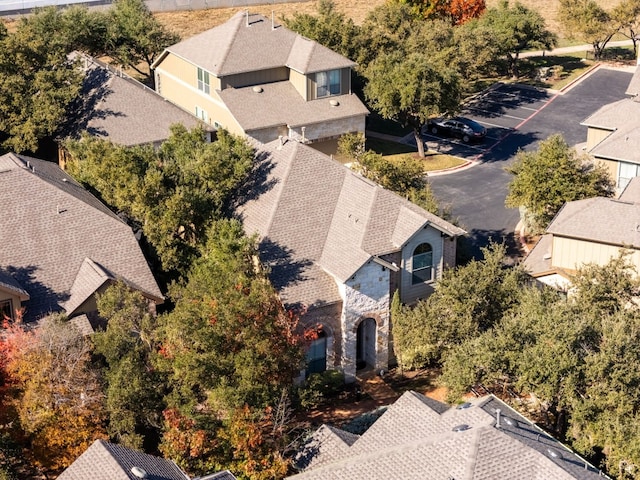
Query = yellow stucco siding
x=299 y=81
x=189 y=97
x=595 y=136
x=611 y=166
x=570 y=254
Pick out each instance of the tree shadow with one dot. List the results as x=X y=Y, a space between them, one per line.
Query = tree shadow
x=257 y=182
x=284 y=270
x=506 y=147
x=87 y=106
x=470 y=246
x=43 y=300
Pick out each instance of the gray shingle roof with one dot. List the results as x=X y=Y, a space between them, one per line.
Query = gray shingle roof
x=413 y=441
x=234 y=47
x=59 y=225
x=318 y=221
x=599 y=219
x=279 y=103
x=120 y=109
x=631 y=193
x=107 y=461
x=634 y=85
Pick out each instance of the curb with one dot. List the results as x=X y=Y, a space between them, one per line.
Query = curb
x=578 y=79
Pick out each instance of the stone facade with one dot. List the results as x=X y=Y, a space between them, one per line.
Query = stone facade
x=366 y=295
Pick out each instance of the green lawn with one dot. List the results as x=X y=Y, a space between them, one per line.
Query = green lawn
x=433 y=161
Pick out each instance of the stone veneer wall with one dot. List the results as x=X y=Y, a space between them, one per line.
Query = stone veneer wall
x=329 y=129
x=328 y=317
x=365 y=295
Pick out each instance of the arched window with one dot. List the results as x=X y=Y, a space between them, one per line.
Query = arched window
x=317 y=354
x=422 y=264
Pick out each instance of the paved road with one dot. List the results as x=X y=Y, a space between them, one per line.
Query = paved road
x=519 y=117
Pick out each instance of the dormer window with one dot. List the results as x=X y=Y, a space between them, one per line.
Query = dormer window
x=203 y=80
x=327 y=83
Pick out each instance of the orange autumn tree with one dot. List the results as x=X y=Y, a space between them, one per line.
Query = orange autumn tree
x=462 y=11
x=457 y=11
x=55 y=392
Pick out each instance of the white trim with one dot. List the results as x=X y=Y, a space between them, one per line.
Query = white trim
x=192 y=88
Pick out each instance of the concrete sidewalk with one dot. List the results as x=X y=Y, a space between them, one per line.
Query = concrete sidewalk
x=573 y=49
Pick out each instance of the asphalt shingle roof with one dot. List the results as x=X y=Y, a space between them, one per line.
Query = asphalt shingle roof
x=118 y=108
x=599 y=219
x=49 y=225
x=634 y=85
x=412 y=440
x=249 y=42
x=319 y=221
x=108 y=461
x=279 y=103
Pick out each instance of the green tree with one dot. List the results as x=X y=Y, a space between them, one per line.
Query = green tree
x=37 y=82
x=468 y=300
x=516 y=29
x=173 y=193
x=627 y=15
x=588 y=21
x=134 y=36
x=228 y=343
x=546 y=179
x=410 y=89
x=329 y=27
x=134 y=389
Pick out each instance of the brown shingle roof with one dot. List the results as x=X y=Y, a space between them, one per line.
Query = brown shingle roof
x=120 y=109
x=234 y=47
x=279 y=103
x=49 y=225
x=320 y=222
x=414 y=440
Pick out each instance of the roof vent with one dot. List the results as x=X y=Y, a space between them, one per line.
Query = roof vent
x=139 y=472
x=257 y=89
x=509 y=421
x=333 y=102
x=460 y=428
x=464 y=406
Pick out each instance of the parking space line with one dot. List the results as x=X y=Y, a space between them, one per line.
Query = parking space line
x=507 y=105
x=501 y=116
x=493 y=125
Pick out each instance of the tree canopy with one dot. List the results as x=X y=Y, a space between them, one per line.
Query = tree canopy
x=515 y=29
x=173 y=193
x=544 y=180
x=410 y=88
x=228 y=344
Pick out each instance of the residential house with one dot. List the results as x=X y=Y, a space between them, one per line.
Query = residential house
x=593 y=230
x=108 y=461
x=338 y=246
x=613 y=135
x=253 y=76
x=418 y=438
x=59 y=245
x=115 y=107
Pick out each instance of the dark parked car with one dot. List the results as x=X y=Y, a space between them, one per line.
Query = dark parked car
x=463 y=128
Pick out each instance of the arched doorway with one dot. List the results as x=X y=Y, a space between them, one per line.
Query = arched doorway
x=317 y=354
x=366 y=344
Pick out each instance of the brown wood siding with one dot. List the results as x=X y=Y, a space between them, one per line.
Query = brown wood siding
x=247 y=79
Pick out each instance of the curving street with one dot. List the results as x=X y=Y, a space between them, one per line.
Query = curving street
x=516 y=117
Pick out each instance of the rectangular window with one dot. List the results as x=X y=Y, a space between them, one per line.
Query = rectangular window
x=202 y=114
x=203 y=81
x=422 y=268
x=6 y=309
x=626 y=171
x=328 y=83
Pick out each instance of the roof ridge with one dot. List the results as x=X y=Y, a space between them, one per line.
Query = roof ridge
x=238 y=17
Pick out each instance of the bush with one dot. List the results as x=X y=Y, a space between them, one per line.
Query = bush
x=320 y=387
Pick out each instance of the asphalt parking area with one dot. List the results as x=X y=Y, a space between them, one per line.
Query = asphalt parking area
x=501 y=109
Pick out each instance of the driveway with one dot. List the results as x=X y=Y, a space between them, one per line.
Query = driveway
x=518 y=118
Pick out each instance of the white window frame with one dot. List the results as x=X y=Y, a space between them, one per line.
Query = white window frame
x=204 y=84
x=202 y=114
x=422 y=265
x=624 y=170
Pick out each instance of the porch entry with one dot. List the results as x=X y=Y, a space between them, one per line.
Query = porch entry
x=366 y=344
